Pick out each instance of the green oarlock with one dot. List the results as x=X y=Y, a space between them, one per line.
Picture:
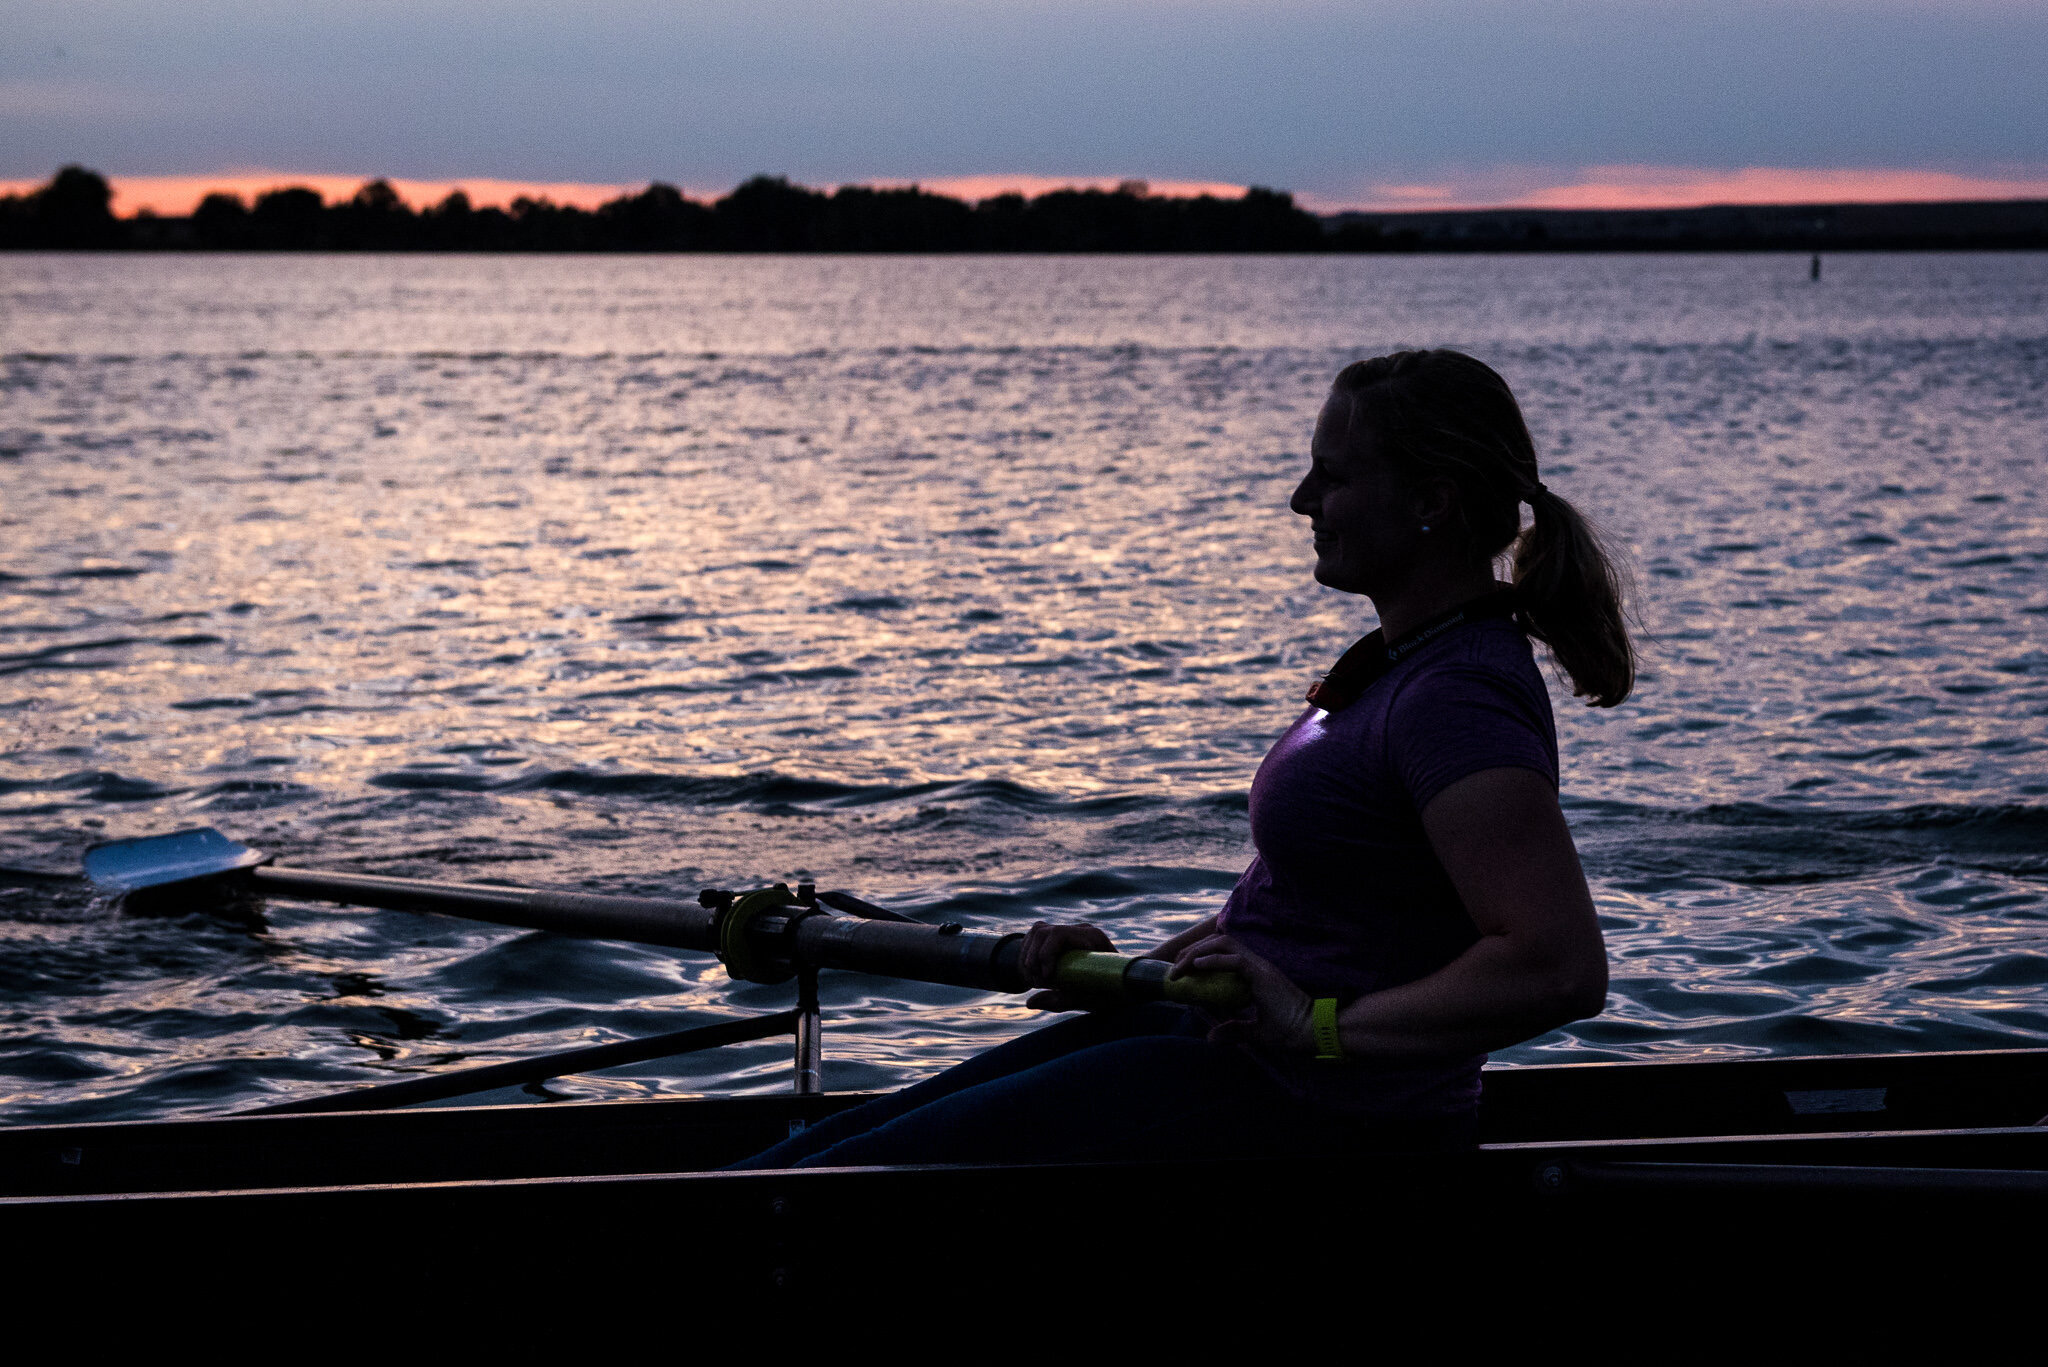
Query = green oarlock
x=1097 y=980
x=736 y=951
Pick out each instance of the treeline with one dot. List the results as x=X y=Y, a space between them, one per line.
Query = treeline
x=766 y=214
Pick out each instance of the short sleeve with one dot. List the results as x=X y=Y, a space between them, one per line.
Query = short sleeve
x=1458 y=719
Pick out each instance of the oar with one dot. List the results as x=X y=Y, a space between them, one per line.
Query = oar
x=35 y=878
x=763 y=936
x=491 y=1076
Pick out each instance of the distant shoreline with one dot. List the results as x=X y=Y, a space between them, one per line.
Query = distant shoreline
x=72 y=213
x=1953 y=225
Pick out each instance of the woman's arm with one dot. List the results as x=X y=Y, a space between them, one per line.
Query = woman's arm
x=1539 y=963
x=1194 y=934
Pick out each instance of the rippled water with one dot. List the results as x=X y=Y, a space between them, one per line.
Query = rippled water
x=967 y=585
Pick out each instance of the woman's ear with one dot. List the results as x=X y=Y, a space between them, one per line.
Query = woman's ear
x=1435 y=502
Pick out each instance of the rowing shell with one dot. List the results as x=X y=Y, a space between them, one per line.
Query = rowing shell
x=1788 y=1175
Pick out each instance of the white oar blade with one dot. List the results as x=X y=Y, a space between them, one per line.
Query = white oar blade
x=154 y=860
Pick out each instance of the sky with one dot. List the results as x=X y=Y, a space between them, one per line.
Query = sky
x=1421 y=104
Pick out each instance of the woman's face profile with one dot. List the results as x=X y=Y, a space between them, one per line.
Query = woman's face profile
x=1364 y=529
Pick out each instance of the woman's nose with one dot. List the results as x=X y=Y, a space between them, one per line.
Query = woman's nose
x=1303 y=501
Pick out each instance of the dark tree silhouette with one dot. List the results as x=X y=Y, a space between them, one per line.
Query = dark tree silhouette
x=220 y=223
x=374 y=219
x=768 y=214
x=658 y=219
x=765 y=214
x=77 y=206
x=288 y=220
x=1001 y=224
x=863 y=220
x=73 y=211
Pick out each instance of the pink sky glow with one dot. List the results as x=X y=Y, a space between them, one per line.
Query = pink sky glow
x=1677 y=187
x=1595 y=187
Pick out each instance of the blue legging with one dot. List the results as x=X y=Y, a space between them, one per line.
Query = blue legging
x=1142 y=1083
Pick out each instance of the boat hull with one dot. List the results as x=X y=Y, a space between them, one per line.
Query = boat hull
x=1637 y=1180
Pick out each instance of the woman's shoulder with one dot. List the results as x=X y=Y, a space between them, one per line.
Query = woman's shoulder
x=1487 y=657
x=1478 y=703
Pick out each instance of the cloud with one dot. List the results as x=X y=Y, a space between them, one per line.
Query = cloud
x=1324 y=97
x=63 y=99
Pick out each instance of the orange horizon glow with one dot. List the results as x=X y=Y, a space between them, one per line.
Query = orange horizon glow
x=176 y=196
x=1597 y=187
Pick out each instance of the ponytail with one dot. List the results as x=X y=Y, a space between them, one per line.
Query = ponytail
x=1445 y=415
x=1569 y=596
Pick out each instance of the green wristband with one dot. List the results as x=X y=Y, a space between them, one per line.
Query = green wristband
x=1323 y=1019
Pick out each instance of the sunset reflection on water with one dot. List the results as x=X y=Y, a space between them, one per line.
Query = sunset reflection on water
x=967 y=585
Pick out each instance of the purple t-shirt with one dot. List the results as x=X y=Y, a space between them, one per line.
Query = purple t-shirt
x=1345 y=894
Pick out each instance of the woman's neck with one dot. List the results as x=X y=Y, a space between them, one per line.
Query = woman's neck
x=1415 y=603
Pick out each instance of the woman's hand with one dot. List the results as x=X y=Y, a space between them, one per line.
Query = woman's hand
x=1044 y=943
x=1280 y=1011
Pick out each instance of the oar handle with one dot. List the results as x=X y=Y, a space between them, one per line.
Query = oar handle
x=1096 y=979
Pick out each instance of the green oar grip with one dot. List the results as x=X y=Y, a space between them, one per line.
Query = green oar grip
x=1090 y=977
x=1094 y=979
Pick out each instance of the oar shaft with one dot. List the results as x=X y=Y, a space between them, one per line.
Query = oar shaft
x=642 y=920
x=900 y=949
x=944 y=954
x=491 y=1076
x=992 y=963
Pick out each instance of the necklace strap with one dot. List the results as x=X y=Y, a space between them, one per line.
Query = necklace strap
x=1369 y=660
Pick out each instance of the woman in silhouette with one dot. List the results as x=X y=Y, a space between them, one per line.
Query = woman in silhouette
x=1415 y=900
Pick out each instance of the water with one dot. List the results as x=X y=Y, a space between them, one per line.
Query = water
x=967 y=585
